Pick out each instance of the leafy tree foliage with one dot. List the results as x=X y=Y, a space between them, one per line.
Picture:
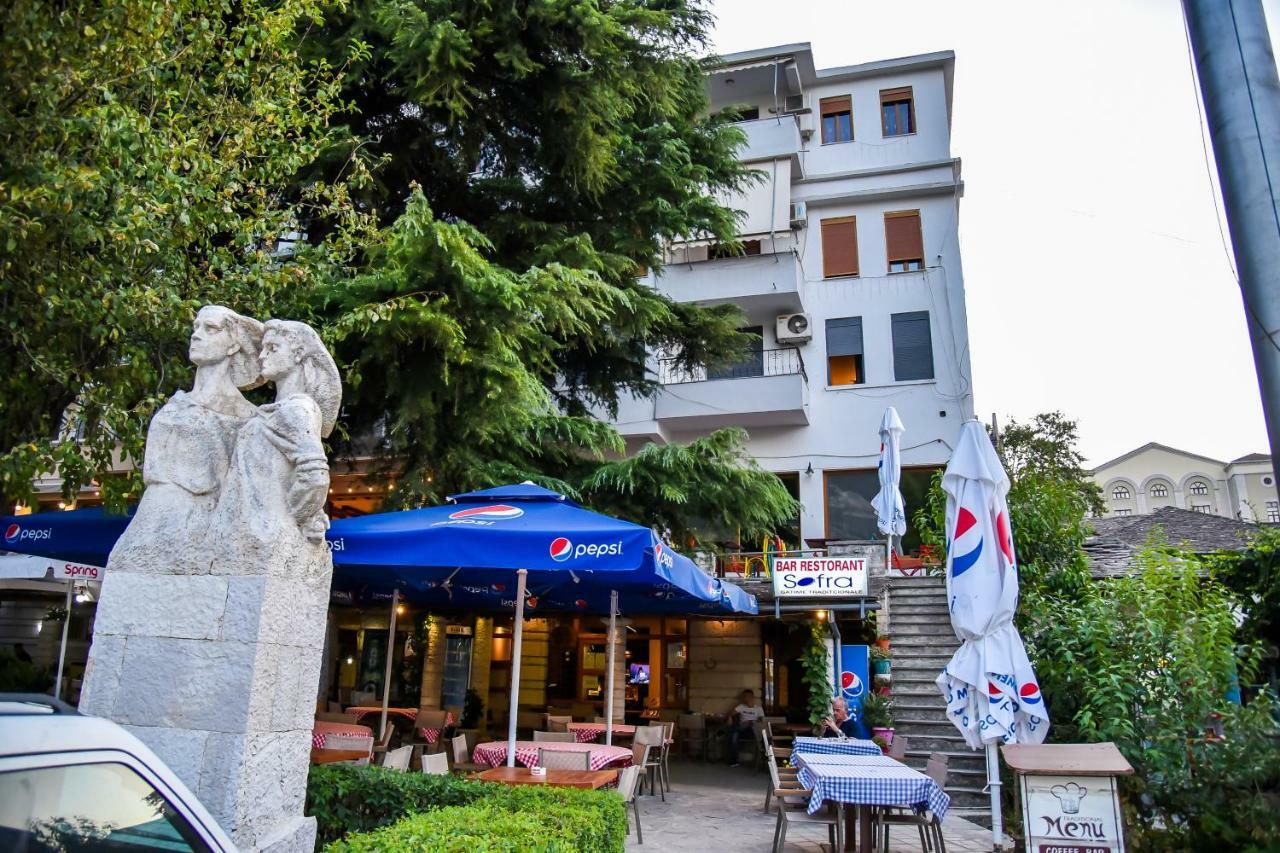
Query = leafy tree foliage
x=148 y=149
x=1253 y=576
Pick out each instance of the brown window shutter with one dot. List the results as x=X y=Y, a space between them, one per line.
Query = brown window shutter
x=902 y=238
x=840 y=246
x=838 y=104
x=902 y=93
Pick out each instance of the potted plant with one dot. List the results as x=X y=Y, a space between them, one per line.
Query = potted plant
x=877 y=714
x=880 y=666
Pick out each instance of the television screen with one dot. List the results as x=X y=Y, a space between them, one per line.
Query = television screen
x=639 y=673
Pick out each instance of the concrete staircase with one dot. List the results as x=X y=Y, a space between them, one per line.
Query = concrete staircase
x=921 y=641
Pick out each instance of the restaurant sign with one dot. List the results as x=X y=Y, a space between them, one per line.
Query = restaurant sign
x=78 y=572
x=820 y=577
x=1072 y=814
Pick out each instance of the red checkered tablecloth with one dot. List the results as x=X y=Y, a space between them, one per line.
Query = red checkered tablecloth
x=588 y=732
x=362 y=711
x=433 y=735
x=494 y=753
x=322 y=730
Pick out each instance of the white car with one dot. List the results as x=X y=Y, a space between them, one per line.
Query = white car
x=74 y=783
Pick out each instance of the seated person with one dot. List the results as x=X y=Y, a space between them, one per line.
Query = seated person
x=741 y=718
x=841 y=722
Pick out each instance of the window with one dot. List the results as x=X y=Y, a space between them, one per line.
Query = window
x=1122 y=512
x=1199 y=487
x=1273 y=511
x=727 y=250
x=848 y=495
x=839 y=246
x=1205 y=508
x=844 y=351
x=1121 y=493
x=89 y=807
x=1159 y=490
x=912 y=346
x=837 y=119
x=1266 y=481
x=897 y=112
x=904 y=243
x=750 y=364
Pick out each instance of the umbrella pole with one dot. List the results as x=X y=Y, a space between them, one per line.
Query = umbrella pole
x=993 y=782
x=386 y=674
x=613 y=639
x=62 y=649
x=517 y=638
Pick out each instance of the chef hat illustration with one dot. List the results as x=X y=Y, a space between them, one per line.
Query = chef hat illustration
x=1069 y=796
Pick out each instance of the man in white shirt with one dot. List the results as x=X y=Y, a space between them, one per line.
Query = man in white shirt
x=741 y=718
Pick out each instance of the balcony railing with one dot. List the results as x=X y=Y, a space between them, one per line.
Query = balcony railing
x=784 y=361
x=755 y=565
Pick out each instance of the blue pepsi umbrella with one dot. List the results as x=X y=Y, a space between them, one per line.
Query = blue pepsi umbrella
x=80 y=536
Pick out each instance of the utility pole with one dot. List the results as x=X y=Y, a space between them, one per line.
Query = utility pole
x=1241 y=95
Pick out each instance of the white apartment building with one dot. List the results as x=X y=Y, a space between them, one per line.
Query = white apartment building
x=1154 y=475
x=851 y=279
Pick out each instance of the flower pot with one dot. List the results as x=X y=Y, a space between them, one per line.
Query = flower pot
x=885 y=734
x=882 y=666
x=882 y=642
x=882 y=679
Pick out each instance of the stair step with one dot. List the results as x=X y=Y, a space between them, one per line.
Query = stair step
x=938 y=621
x=910 y=607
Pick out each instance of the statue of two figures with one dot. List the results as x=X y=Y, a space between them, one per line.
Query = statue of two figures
x=224 y=476
x=211 y=627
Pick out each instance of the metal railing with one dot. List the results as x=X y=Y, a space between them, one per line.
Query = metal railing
x=756 y=565
x=783 y=361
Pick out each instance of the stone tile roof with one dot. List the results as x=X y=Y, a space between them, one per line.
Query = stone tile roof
x=1252 y=457
x=1116 y=540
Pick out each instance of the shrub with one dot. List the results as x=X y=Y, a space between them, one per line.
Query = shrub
x=370 y=808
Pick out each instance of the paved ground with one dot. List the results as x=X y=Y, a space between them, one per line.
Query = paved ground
x=720 y=809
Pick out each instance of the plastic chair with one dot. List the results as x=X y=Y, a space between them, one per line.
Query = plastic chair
x=640 y=758
x=928 y=824
x=559 y=759
x=628 y=779
x=655 y=738
x=435 y=764
x=898 y=749
x=553 y=737
x=462 y=762
x=668 y=739
x=397 y=759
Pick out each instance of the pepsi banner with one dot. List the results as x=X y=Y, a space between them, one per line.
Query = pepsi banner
x=855 y=677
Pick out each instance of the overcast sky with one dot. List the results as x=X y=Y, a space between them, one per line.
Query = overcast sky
x=1096 y=279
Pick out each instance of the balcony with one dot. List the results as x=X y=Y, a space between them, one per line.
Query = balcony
x=769 y=388
x=771 y=138
x=763 y=286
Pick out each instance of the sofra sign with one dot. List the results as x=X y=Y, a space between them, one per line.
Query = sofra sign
x=819 y=577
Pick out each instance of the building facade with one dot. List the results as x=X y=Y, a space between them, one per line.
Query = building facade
x=1155 y=476
x=849 y=275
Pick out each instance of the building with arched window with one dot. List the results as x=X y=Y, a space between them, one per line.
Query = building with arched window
x=1155 y=476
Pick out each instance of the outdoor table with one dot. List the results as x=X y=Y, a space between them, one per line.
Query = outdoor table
x=556 y=778
x=587 y=732
x=330 y=756
x=433 y=735
x=362 y=711
x=836 y=746
x=321 y=731
x=494 y=753
x=867 y=780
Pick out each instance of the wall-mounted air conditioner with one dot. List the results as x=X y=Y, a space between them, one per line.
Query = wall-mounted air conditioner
x=794 y=103
x=793 y=329
x=799 y=214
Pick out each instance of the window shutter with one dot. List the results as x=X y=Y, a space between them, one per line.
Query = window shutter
x=840 y=246
x=902 y=93
x=902 y=237
x=844 y=336
x=838 y=104
x=912 y=346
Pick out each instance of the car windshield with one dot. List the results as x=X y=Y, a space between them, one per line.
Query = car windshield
x=88 y=807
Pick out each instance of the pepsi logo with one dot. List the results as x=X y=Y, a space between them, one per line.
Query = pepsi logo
x=1030 y=693
x=967 y=541
x=561 y=549
x=531 y=601
x=851 y=684
x=15 y=533
x=495 y=512
x=580 y=603
x=1002 y=533
x=498 y=587
x=992 y=690
x=12 y=532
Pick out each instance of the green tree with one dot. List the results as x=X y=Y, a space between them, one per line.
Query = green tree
x=1253 y=575
x=149 y=155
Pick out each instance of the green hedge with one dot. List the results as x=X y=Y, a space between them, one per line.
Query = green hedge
x=369 y=808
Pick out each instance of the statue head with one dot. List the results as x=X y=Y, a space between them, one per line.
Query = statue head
x=220 y=334
x=288 y=346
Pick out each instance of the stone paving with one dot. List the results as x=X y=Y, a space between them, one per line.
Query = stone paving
x=716 y=808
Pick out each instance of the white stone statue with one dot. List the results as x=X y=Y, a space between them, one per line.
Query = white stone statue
x=210 y=627
x=190 y=442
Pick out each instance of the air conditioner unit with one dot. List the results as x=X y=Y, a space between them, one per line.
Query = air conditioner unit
x=794 y=103
x=793 y=329
x=799 y=214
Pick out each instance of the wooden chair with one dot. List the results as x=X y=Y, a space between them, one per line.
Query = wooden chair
x=792 y=805
x=639 y=759
x=435 y=764
x=462 y=762
x=397 y=759
x=628 y=779
x=380 y=747
x=527 y=721
x=787 y=776
x=559 y=759
x=928 y=824
x=693 y=734
x=655 y=738
x=558 y=723
x=553 y=737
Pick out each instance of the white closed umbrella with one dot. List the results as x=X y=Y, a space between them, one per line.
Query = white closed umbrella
x=991 y=690
x=891 y=515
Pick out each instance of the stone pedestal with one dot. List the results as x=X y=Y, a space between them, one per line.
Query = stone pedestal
x=218 y=673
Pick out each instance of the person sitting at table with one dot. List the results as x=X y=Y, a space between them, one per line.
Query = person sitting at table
x=841 y=722
x=741 y=718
